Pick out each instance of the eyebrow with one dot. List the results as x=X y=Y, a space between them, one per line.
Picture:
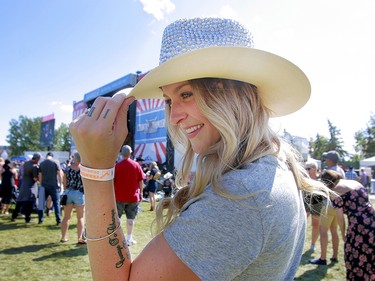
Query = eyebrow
x=177 y=89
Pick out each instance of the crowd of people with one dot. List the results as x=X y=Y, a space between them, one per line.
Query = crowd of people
x=46 y=186
x=350 y=198
x=242 y=216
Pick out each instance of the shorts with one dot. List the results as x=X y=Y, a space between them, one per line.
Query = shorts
x=130 y=209
x=152 y=186
x=329 y=218
x=75 y=197
x=6 y=200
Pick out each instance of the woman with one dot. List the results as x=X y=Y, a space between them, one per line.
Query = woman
x=75 y=199
x=226 y=224
x=313 y=204
x=8 y=177
x=359 y=249
x=152 y=184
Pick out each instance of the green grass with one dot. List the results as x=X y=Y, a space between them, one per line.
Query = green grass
x=33 y=252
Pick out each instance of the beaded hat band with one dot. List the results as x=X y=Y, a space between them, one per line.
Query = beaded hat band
x=223 y=48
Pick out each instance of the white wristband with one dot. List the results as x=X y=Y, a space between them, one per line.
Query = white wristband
x=97 y=174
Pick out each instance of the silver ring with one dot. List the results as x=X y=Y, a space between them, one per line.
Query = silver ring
x=90 y=111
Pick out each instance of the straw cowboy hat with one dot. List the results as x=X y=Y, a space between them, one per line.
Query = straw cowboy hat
x=222 y=48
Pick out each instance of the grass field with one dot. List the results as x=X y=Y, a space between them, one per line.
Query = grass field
x=33 y=252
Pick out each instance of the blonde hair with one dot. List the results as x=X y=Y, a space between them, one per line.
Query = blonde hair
x=238 y=113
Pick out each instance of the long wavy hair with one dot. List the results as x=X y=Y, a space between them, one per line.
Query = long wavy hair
x=238 y=113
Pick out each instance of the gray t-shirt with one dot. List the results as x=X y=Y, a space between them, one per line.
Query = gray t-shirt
x=257 y=238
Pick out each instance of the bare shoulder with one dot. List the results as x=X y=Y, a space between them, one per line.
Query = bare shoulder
x=158 y=261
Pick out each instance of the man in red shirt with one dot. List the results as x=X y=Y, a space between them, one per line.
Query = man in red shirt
x=128 y=184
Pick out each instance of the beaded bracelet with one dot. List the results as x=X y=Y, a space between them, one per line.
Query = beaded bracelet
x=84 y=236
x=97 y=174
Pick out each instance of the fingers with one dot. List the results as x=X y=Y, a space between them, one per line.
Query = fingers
x=104 y=125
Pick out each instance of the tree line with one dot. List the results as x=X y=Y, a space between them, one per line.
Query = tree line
x=24 y=135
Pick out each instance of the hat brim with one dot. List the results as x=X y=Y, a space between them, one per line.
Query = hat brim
x=283 y=87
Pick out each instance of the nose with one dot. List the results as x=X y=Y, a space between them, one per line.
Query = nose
x=177 y=114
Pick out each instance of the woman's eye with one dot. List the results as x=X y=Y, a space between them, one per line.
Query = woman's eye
x=186 y=95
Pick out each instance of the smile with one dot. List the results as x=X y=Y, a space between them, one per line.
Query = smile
x=193 y=129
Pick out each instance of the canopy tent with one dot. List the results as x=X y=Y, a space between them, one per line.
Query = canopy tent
x=367 y=162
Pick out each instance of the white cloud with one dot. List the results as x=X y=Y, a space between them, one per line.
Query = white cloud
x=228 y=12
x=62 y=107
x=158 y=8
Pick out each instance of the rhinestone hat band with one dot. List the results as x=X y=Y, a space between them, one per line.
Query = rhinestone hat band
x=187 y=35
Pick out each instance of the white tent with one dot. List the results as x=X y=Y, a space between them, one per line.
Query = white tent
x=367 y=162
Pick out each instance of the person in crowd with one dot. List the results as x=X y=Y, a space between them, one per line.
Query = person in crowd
x=152 y=183
x=313 y=204
x=220 y=94
x=75 y=199
x=350 y=174
x=50 y=178
x=332 y=159
x=140 y=160
x=328 y=216
x=363 y=178
x=2 y=162
x=128 y=183
x=65 y=165
x=168 y=184
x=352 y=199
x=7 y=187
x=26 y=198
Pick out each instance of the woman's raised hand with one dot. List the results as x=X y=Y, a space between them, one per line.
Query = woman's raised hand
x=100 y=132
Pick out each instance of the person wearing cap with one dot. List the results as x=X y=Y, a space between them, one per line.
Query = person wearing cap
x=139 y=160
x=332 y=159
x=242 y=216
x=26 y=198
x=128 y=183
x=328 y=217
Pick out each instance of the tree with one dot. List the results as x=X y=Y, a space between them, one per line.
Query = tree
x=24 y=135
x=365 y=139
x=62 y=138
x=335 y=142
x=322 y=144
x=318 y=146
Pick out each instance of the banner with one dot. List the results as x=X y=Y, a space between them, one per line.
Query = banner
x=150 y=138
x=47 y=131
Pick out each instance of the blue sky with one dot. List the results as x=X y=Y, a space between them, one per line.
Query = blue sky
x=53 y=52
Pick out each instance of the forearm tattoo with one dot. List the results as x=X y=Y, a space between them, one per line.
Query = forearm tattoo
x=115 y=242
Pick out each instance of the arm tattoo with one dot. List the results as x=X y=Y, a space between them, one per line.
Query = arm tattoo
x=116 y=242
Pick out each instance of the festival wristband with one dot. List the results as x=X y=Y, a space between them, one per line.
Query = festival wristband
x=97 y=174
